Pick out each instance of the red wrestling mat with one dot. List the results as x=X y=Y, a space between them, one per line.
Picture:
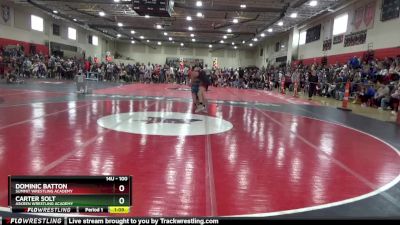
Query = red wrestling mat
x=183 y=91
x=13 y=96
x=254 y=162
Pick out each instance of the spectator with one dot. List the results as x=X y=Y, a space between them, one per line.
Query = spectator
x=394 y=100
x=381 y=95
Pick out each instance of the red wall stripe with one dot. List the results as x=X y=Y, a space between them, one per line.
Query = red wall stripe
x=344 y=58
x=39 y=47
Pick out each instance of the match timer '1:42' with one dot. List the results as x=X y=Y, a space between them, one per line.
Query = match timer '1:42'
x=70 y=194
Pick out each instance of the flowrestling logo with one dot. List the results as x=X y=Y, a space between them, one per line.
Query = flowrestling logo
x=165 y=123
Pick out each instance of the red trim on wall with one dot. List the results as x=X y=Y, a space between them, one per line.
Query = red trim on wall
x=344 y=58
x=39 y=47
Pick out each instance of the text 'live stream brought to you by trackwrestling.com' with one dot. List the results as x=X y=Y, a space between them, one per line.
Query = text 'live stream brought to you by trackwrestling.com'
x=106 y=220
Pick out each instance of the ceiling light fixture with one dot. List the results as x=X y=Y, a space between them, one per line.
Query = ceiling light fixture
x=118 y=35
x=255 y=39
x=75 y=20
x=243 y=6
x=235 y=47
x=210 y=46
x=191 y=35
x=313 y=3
x=182 y=44
x=190 y=28
x=148 y=41
x=146 y=16
x=158 y=26
x=280 y=23
x=170 y=38
x=199 y=14
x=270 y=30
x=225 y=37
x=133 y=42
x=159 y=43
x=101 y=13
x=262 y=35
x=243 y=42
x=189 y=18
x=120 y=24
x=133 y=32
x=293 y=15
x=251 y=44
x=141 y=37
x=222 y=41
x=229 y=30
x=165 y=34
x=55 y=11
x=117 y=0
x=194 y=40
x=235 y=21
x=233 y=43
x=199 y=3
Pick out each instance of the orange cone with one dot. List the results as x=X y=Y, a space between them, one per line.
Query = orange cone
x=296 y=92
x=283 y=86
x=345 y=102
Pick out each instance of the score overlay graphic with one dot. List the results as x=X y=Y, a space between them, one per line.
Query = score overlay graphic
x=70 y=194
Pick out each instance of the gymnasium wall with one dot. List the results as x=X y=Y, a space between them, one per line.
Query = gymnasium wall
x=18 y=28
x=383 y=37
x=268 y=47
x=143 y=54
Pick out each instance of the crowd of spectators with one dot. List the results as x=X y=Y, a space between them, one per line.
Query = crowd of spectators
x=15 y=64
x=374 y=83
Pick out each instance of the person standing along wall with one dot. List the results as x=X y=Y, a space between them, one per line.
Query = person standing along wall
x=313 y=82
